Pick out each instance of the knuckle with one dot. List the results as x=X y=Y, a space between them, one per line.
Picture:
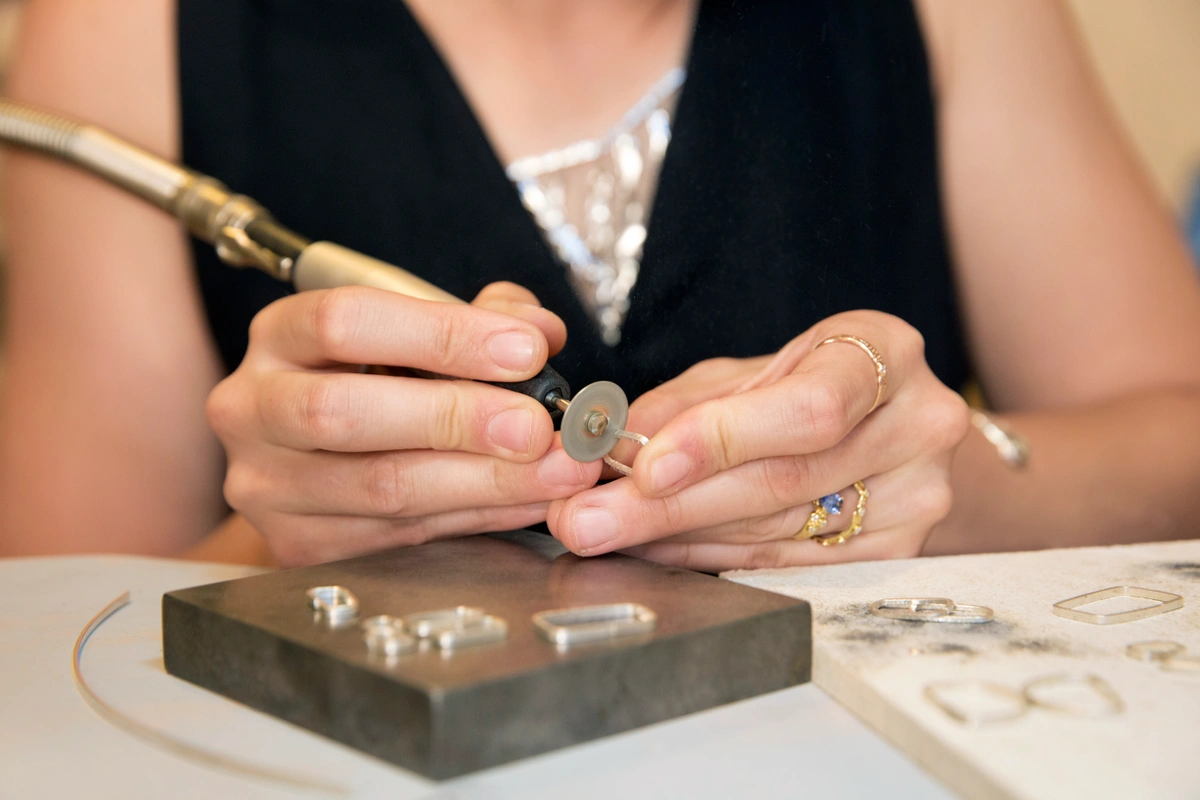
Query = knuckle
x=785 y=479
x=673 y=514
x=335 y=318
x=223 y=409
x=321 y=413
x=721 y=441
x=448 y=338
x=950 y=420
x=763 y=556
x=825 y=413
x=447 y=418
x=243 y=486
x=386 y=488
x=936 y=500
x=764 y=529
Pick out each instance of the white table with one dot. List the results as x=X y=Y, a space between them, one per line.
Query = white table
x=794 y=743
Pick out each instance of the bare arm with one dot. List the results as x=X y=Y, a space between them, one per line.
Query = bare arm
x=103 y=440
x=1082 y=306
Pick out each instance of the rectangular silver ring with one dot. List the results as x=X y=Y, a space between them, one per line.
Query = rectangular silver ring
x=1068 y=609
x=429 y=623
x=567 y=627
x=485 y=630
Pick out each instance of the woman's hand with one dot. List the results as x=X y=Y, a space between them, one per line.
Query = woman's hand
x=742 y=448
x=327 y=462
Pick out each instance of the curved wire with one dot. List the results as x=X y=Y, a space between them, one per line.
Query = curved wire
x=617 y=465
x=166 y=741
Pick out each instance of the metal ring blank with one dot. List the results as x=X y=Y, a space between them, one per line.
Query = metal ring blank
x=566 y=627
x=1154 y=651
x=1017 y=701
x=1112 y=702
x=334 y=605
x=1068 y=609
x=913 y=609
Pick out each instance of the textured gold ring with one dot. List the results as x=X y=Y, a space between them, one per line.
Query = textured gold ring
x=856 y=519
x=817 y=521
x=869 y=349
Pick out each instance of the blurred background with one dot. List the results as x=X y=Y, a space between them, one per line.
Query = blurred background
x=1147 y=53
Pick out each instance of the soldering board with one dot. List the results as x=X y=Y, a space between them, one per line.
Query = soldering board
x=446 y=713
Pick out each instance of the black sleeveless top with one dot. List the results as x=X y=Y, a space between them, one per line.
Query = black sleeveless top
x=801 y=179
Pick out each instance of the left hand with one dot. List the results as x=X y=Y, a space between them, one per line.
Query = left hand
x=741 y=448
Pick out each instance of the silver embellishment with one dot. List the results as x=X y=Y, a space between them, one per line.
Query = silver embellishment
x=592 y=200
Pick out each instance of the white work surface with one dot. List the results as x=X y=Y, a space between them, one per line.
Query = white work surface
x=794 y=743
x=878 y=667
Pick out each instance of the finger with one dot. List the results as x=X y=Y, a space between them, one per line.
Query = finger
x=811 y=410
x=509 y=298
x=720 y=557
x=713 y=378
x=360 y=325
x=617 y=515
x=808 y=411
x=298 y=540
x=363 y=413
x=401 y=484
x=918 y=492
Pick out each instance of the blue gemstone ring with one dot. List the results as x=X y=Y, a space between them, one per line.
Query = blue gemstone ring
x=832 y=503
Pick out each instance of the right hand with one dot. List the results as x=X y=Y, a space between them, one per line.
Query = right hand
x=328 y=463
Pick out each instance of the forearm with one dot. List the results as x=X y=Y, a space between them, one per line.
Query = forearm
x=1125 y=471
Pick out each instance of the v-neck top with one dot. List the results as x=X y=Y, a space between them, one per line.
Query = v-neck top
x=801 y=179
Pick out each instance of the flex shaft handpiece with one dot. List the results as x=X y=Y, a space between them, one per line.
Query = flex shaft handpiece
x=246 y=235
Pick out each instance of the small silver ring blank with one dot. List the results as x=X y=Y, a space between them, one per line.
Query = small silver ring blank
x=1068 y=609
x=913 y=609
x=333 y=605
x=1181 y=663
x=1098 y=686
x=1155 y=651
x=1018 y=702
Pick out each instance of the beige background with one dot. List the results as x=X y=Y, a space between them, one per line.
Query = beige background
x=1147 y=53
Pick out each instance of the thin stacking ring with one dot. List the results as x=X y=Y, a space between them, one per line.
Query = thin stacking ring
x=869 y=349
x=856 y=520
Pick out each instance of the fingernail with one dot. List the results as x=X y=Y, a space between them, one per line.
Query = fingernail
x=512 y=429
x=559 y=469
x=512 y=350
x=594 y=527
x=668 y=470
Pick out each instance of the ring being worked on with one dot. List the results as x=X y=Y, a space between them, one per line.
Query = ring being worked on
x=594 y=421
x=869 y=349
x=856 y=519
x=1068 y=609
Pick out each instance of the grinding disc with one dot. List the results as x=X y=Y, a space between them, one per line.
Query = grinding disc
x=605 y=397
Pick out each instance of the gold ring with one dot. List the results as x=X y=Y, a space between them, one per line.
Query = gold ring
x=817 y=521
x=880 y=367
x=856 y=519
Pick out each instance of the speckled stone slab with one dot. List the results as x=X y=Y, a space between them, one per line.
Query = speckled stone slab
x=879 y=667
